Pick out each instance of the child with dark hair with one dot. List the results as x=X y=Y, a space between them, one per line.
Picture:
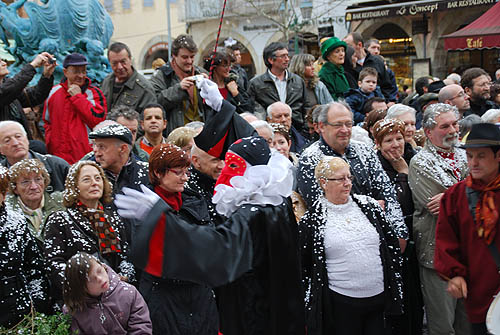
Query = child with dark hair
x=99 y=302
x=368 y=88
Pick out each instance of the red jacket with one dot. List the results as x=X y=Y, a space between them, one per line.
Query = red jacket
x=460 y=252
x=69 y=119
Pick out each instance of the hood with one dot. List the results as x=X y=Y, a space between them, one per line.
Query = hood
x=114 y=280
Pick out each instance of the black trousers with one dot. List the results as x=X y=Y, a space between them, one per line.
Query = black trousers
x=358 y=316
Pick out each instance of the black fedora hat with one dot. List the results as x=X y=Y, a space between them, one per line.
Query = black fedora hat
x=482 y=135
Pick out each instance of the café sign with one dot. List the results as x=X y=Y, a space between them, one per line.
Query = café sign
x=410 y=9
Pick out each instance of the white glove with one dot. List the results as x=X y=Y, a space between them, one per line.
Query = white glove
x=210 y=92
x=135 y=204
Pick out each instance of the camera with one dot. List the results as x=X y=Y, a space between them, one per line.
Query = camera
x=52 y=60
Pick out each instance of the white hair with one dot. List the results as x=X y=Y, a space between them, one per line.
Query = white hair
x=455 y=77
x=7 y=123
x=399 y=109
x=269 y=109
x=263 y=124
x=491 y=116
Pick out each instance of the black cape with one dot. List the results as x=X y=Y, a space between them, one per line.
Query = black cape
x=255 y=251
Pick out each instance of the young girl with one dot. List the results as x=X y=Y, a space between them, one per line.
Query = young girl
x=99 y=302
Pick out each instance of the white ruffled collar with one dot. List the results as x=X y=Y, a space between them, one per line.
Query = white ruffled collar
x=260 y=185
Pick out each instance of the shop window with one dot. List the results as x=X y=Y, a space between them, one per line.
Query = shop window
x=126 y=4
x=108 y=5
x=148 y=3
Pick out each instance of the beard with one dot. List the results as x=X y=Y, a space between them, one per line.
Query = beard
x=450 y=141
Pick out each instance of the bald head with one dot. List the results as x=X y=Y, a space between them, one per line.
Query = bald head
x=454 y=95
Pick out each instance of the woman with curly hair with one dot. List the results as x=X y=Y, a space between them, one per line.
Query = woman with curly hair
x=22 y=276
x=303 y=65
x=86 y=225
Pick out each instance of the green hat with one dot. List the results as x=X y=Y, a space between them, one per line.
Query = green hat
x=330 y=44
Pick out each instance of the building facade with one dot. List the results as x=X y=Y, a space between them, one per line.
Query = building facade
x=143 y=26
x=411 y=34
x=256 y=23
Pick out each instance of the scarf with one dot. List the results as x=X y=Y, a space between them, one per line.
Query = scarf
x=174 y=200
x=333 y=77
x=35 y=216
x=107 y=236
x=486 y=211
x=449 y=156
x=154 y=265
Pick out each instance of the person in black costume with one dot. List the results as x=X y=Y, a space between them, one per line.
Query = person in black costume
x=253 y=255
x=395 y=155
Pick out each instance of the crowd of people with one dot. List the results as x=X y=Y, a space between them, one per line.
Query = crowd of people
x=315 y=198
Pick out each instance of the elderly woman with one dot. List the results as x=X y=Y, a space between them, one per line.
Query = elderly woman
x=350 y=258
x=303 y=65
x=395 y=156
x=176 y=307
x=86 y=225
x=332 y=72
x=22 y=274
x=407 y=115
x=28 y=183
x=227 y=82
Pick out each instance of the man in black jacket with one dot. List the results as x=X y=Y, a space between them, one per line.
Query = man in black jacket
x=14 y=96
x=476 y=84
x=175 y=87
x=366 y=59
x=278 y=84
x=14 y=145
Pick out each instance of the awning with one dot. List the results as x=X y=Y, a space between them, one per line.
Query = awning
x=483 y=33
x=365 y=11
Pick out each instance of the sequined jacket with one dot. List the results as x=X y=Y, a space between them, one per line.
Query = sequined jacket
x=369 y=178
x=22 y=274
x=430 y=174
x=69 y=232
x=314 y=274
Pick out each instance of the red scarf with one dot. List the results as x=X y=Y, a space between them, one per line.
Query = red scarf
x=486 y=211
x=156 y=243
x=450 y=156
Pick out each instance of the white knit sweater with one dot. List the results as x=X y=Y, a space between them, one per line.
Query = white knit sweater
x=352 y=251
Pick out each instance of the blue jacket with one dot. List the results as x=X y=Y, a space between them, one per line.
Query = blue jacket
x=356 y=100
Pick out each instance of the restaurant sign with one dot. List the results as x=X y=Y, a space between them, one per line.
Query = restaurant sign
x=410 y=9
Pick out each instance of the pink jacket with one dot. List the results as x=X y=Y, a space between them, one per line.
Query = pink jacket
x=120 y=310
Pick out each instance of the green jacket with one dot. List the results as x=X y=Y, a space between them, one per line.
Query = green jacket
x=52 y=203
x=136 y=92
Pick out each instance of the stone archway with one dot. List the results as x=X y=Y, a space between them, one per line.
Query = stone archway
x=153 y=48
x=207 y=44
x=443 y=24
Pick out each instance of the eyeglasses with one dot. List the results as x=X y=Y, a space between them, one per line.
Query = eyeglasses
x=180 y=173
x=27 y=182
x=284 y=56
x=345 y=179
x=459 y=95
x=337 y=125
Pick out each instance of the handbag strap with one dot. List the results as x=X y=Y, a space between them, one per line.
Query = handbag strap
x=472 y=198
